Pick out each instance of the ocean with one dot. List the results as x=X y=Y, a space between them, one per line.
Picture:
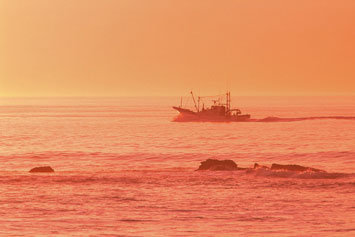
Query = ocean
x=123 y=167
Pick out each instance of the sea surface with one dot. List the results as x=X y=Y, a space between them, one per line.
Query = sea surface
x=124 y=168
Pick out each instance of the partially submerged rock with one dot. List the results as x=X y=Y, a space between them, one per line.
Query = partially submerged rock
x=257 y=166
x=43 y=169
x=229 y=165
x=294 y=168
x=218 y=165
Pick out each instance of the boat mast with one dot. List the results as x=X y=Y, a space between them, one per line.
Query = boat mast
x=198 y=104
x=193 y=98
x=228 y=100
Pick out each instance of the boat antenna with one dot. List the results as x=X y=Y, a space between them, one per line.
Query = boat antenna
x=192 y=94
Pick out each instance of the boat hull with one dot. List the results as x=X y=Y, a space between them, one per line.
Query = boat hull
x=186 y=115
x=185 y=111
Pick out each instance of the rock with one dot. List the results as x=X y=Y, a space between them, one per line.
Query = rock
x=43 y=169
x=257 y=166
x=218 y=165
x=294 y=168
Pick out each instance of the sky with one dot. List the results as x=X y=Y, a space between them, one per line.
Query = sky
x=169 y=47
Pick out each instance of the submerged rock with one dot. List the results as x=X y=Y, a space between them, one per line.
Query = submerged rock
x=294 y=168
x=218 y=165
x=43 y=169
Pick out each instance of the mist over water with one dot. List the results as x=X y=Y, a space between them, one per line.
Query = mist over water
x=123 y=167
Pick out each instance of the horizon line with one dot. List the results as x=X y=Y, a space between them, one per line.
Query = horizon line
x=157 y=96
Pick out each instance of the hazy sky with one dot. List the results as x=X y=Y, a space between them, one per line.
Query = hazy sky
x=167 y=47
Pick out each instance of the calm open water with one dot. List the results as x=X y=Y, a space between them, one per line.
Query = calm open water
x=124 y=168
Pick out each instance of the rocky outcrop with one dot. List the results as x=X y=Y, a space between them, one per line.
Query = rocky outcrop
x=257 y=166
x=43 y=169
x=218 y=165
x=229 y=165
x=294 y=168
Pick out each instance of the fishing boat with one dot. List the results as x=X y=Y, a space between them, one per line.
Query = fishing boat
x=218 y=111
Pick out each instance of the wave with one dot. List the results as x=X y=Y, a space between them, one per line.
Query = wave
x=277 y=119
x=187 y=118
x=297 y=174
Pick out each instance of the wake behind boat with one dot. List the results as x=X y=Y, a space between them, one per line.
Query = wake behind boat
x=218 y=112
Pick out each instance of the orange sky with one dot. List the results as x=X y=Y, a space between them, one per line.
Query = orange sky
x=167 y=47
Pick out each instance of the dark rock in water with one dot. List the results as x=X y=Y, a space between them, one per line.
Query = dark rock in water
x=43 y=169
x=294 y=168
x=218 y=165
x=257 y=166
